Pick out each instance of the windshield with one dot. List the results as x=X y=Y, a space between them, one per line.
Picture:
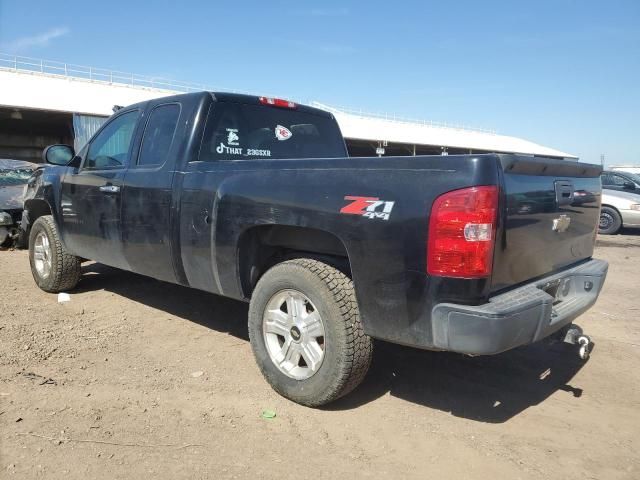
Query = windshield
x=634 y=177
x=18 y=176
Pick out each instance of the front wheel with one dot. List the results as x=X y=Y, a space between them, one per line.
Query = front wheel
x=306 y=334
x=610 y=221
x=53 y=268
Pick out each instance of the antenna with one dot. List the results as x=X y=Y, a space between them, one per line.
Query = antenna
x=602 y=160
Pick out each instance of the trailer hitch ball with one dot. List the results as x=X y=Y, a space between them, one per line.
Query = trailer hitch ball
x=585 y=347
x=574 y=335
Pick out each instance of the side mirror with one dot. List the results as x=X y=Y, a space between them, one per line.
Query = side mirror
x=627 y=185
x=58 y=154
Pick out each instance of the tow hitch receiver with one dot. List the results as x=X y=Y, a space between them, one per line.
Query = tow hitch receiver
x=576 y=337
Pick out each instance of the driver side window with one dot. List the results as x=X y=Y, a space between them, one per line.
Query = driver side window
x=110 y=148
x=618 y=180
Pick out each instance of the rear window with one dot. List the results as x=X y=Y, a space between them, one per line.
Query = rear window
x=237 y=131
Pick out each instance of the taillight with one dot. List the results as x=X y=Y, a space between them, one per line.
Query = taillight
x=462 y=231
x=277 y=102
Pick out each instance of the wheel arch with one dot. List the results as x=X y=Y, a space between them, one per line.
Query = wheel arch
x=37 y=207
x=34 y=208
x=262 y=246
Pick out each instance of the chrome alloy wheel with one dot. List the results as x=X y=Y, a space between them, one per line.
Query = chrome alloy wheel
x=42 y=255
x=293 y=334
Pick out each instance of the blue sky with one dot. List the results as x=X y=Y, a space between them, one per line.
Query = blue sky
x=563 y=73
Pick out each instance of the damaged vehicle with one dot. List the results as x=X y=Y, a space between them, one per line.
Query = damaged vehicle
x=256 y=198
x=14 y=175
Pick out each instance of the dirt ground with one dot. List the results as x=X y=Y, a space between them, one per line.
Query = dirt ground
x=135 y=378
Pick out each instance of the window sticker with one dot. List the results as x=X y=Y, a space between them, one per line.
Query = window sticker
x=232 y=136
x=254 y=152
x=283 y=133
x=233 y=143
x=222 y=148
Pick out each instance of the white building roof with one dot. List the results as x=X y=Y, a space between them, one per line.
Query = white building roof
x=365 y=127
x=41 y=84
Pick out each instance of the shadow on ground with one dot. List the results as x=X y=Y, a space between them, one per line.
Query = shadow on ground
x=620 y=240
x=212 y=311
x=489 y=389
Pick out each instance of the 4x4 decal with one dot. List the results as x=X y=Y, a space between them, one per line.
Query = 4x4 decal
x=370 y=207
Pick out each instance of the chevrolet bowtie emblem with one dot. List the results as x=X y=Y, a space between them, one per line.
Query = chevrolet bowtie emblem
x=561 y=224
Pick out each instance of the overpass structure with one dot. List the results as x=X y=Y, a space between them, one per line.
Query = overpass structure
x=44 y=102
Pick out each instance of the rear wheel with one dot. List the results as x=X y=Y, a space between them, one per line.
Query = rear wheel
x=610 y=221
x=305 y=331
x=52 y=267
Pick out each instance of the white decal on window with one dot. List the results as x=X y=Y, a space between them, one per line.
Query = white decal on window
x=283 y=133
x=222 y=148
x=232 y=136
x=254 y=152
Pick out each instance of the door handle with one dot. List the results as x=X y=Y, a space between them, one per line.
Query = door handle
x=110 y=188
x=564 y=192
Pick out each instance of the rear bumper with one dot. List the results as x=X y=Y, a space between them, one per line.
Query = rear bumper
x=521 y=316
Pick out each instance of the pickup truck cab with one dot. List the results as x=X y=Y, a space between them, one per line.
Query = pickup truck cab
x=255 y=198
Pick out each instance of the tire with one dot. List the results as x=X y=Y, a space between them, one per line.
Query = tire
x=346 y=351
x=610 y=221
x=62 y=270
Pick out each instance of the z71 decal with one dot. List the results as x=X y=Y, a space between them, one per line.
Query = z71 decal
x=370 y=207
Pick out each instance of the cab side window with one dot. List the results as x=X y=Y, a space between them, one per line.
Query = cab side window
x=110 y=148
x=159 y=134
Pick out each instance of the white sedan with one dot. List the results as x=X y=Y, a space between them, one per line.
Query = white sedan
x=619 y=209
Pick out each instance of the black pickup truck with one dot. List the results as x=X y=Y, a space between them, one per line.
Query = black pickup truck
x=255 y=198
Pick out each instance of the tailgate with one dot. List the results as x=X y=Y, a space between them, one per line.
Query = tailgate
x=550 y=217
